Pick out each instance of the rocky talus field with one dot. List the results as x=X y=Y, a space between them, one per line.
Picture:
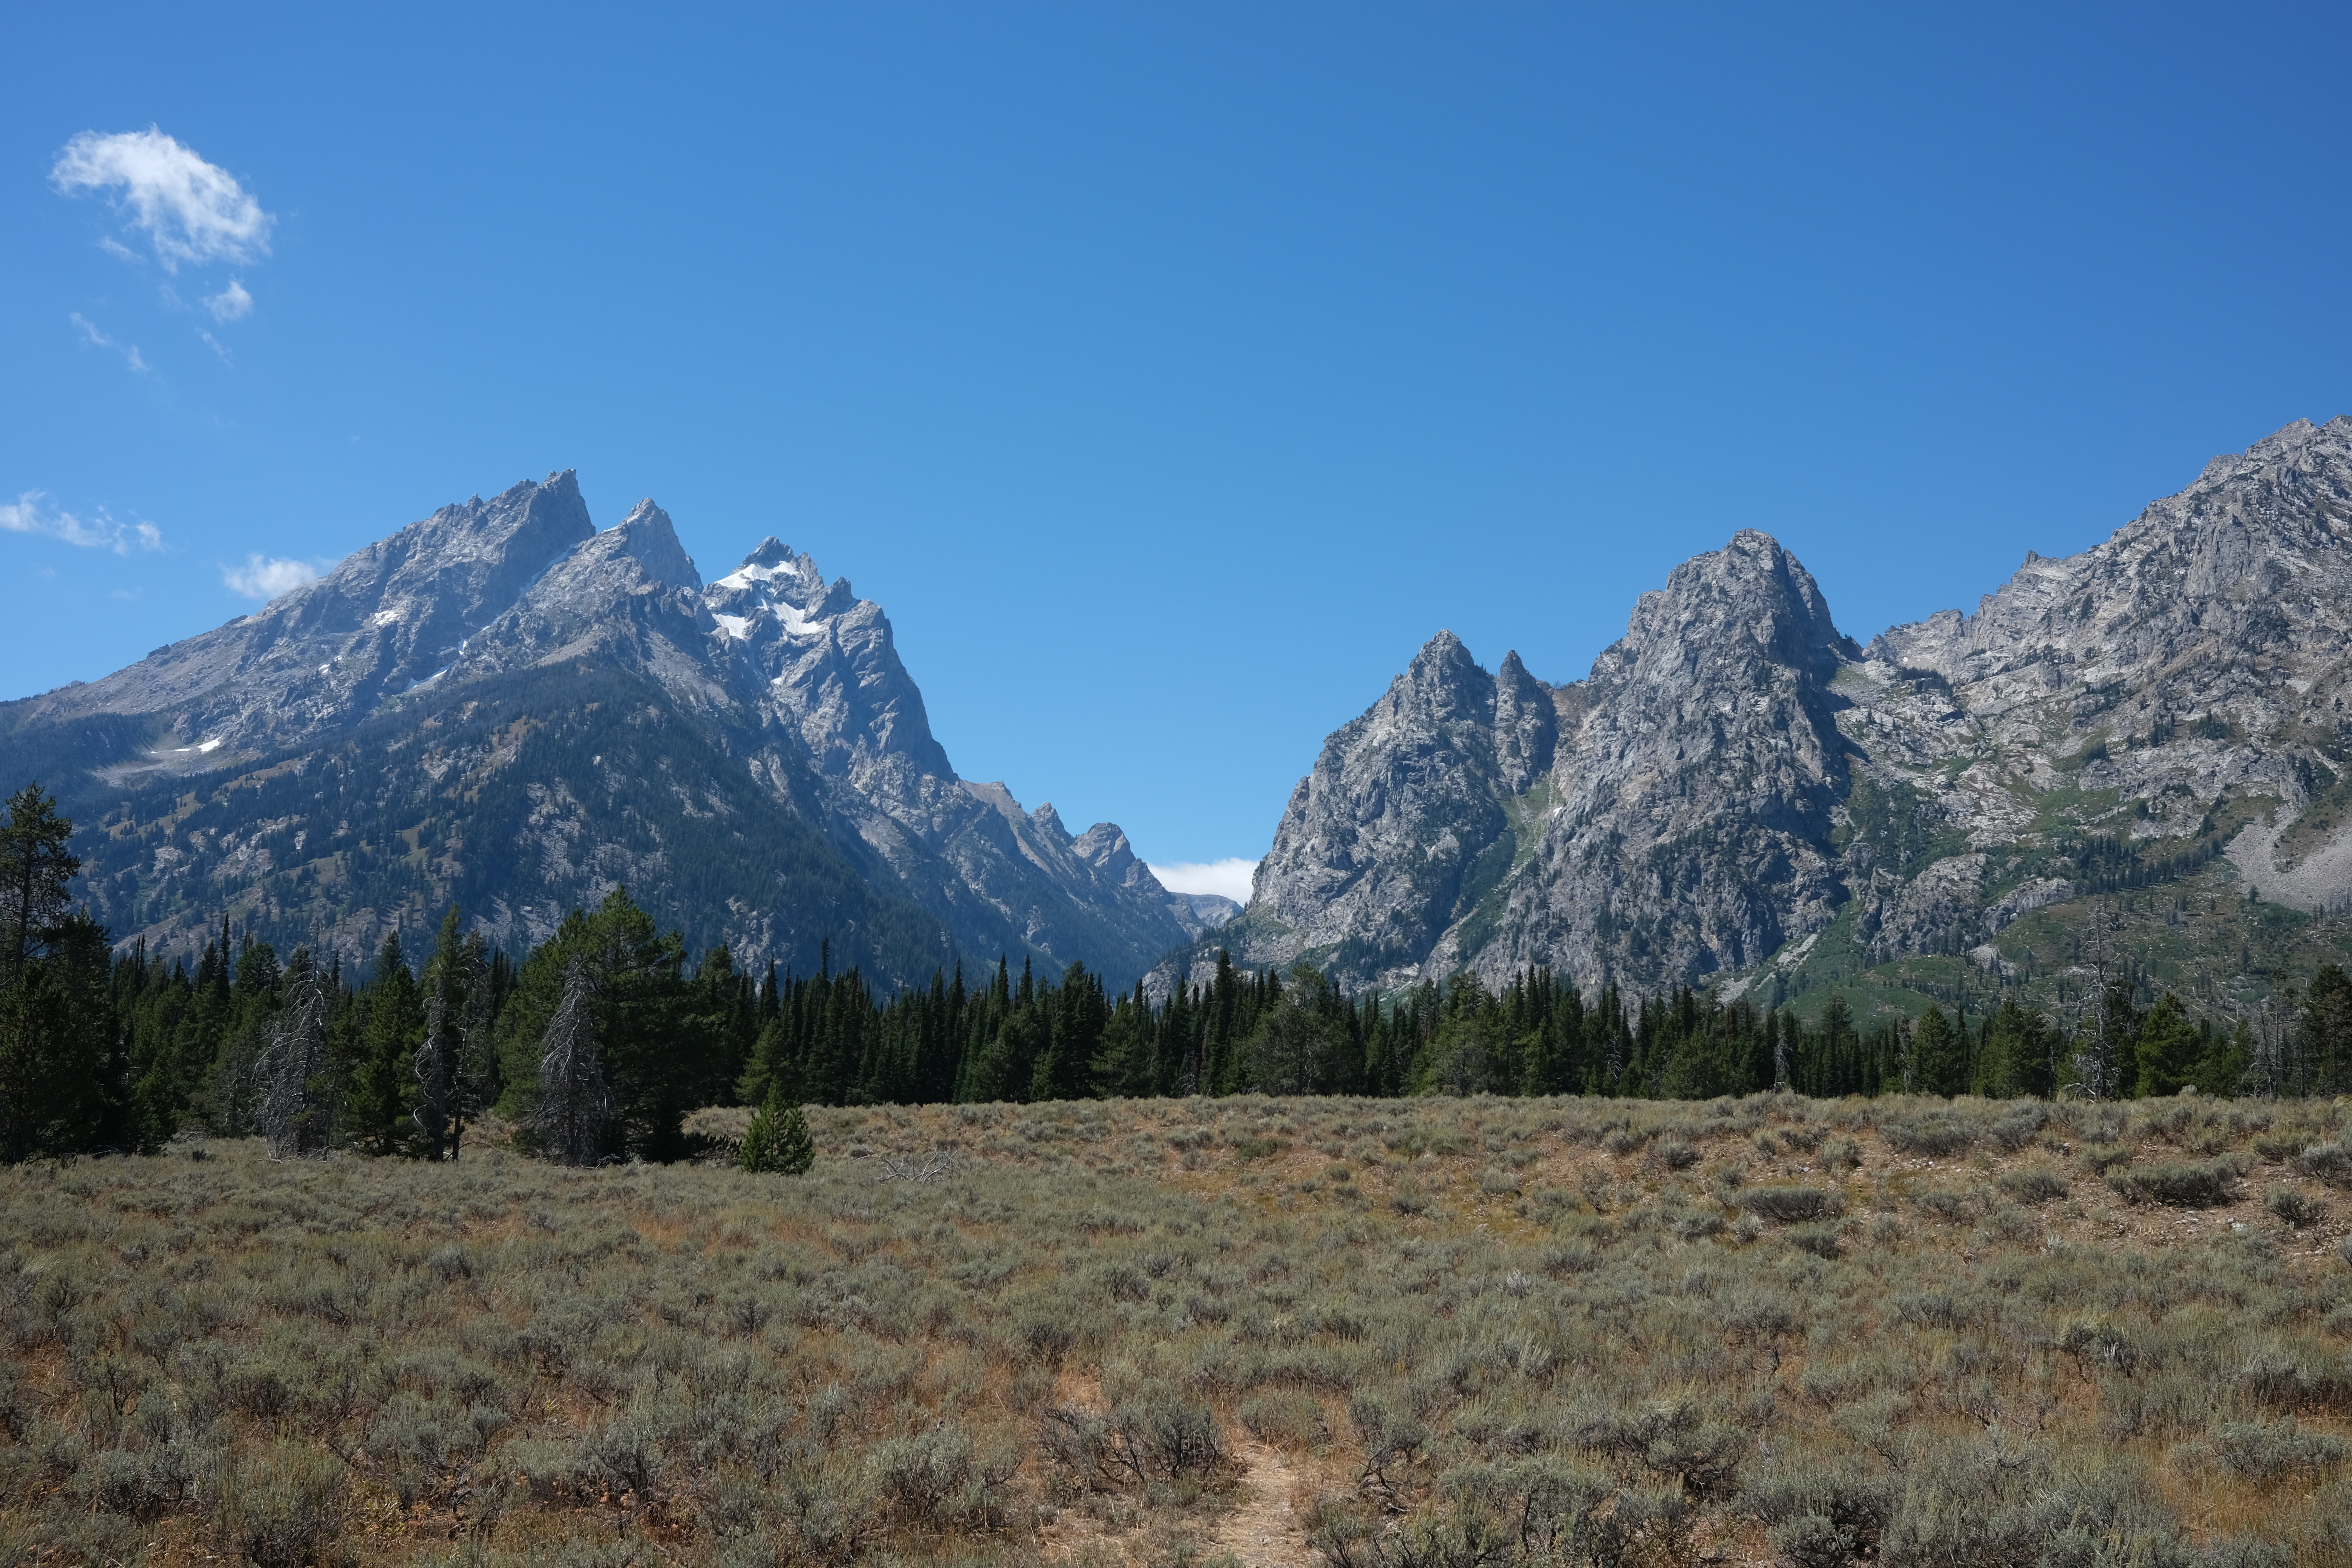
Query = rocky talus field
x=1263 y=1331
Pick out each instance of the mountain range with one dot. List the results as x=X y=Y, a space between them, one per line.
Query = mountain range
x=2146 y=738
x=2131 y=759
x=502 y=707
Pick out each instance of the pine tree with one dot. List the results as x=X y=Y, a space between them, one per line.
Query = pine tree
x=50 y=1072
x=2016 y=1055
x=2168 y=1049
x=34 y=870
x=382 y=1088
x=2327 y=1030
x=455 y=984
x=1939 y=1055
x=758 y=1150
x=778 y=1142
x=795 y=1150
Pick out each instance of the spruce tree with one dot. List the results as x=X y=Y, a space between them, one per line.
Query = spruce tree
x=1939 y=1055
x=382 y=1088
x=455 y=994
x=778 y=1142
x=2328 y=1031
x=48 y=1076
x=758 y=1153
x=795 y=1150
x=34 y=870
x=2016 y=1055
x=2169 y=1050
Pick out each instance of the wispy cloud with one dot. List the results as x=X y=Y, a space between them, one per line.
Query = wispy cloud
x=266 y=576
x=189 y=210
x=29 y=513
x=93 y=339
x=231 y=304
x=1230 y=877
x=217 y=347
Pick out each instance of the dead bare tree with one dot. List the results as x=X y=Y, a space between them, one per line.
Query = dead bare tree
x=2095 y=1067
x=300 y=1086
x=937 y=1165
x=574 y=1105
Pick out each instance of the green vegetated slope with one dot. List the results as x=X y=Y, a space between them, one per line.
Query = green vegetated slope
x=1312 y=1331
x=2168 y=917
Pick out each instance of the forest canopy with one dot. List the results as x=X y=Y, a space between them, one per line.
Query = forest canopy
x=601 y=1041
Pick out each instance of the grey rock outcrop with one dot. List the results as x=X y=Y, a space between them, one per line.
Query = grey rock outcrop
x=832 y=690
x=330 y=652
x=1402 y=826
x=631 y=594
x=1678 y=826
x=1734 y=776
x=2196 y=656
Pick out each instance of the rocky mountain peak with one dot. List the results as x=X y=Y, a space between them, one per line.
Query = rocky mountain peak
x=1749 y=601
x=1527 y=725
x=1443 y=684
x=1497 y=821
x=2199 y=584
x=459 y=567
x=1105 y=848
x=647 y=536
x=386 y=618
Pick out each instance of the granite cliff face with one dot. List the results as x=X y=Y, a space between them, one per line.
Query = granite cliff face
x=1667 y=814
x=502 y=706
x=1735 y=780
x=1404 y=824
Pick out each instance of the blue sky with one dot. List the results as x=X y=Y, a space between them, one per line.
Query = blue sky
x=1170 y=374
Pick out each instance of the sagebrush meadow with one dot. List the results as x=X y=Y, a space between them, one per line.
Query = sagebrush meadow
x=1434 y=1332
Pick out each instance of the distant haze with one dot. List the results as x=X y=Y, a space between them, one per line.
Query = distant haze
x=1230 y=877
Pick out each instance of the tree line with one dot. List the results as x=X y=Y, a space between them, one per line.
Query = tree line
x=601 y=1041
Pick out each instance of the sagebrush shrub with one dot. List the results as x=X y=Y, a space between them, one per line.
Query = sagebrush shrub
x=2036 y=1185
x=2294 y=1209
x=2183 y=1183
x=1788 y=1205
x=1936 y=1134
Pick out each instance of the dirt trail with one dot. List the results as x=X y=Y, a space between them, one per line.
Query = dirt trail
x=1265 y=1530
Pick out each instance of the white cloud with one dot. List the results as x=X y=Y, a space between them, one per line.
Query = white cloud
x=1229 y=877
x=217 y=347
x=189 y=209
x=28 y=514
x=230 y=304
x=265 y=577
x=94 y=339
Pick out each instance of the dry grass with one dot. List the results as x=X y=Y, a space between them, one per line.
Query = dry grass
x=1281 y=1331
